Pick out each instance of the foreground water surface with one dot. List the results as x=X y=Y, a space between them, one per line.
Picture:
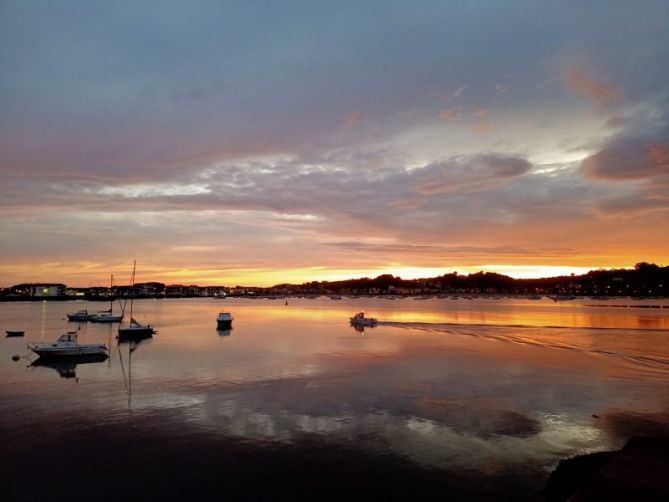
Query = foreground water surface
x=467 y=399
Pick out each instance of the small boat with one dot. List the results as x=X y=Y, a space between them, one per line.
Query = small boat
x=67 y=345
x=224 y=320
x=108 y=316
x=81 y=316
x=15 y=332
x=135 y=330
x=359 y=319
x=336 y=297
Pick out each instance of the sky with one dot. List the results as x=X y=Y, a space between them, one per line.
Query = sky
x=260 y=142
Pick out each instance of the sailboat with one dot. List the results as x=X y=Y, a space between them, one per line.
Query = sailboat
x=135 y=330
x=108 y=316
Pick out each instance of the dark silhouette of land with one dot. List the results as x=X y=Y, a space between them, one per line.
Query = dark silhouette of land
x=644 y=280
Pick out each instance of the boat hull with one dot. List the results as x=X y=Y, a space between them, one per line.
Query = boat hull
x=133 y=333
x=15 y=333
x=82 y=350
x=226 y=324
x=79 y=317
x=106 y=319
x=368 y=324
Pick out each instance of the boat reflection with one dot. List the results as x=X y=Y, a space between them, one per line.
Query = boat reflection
x=224 y=332
x=132 y=345
x=66 y=366
x=361 y=328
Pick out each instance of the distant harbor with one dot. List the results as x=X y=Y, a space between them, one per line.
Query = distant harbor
x=645 y=280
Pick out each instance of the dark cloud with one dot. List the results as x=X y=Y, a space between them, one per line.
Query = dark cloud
x=629 y=159
x=475 y=174
x=445 y=251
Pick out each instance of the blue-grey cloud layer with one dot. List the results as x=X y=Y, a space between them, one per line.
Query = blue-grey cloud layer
x=392 y=116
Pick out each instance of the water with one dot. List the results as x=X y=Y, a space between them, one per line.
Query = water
x=446 y=398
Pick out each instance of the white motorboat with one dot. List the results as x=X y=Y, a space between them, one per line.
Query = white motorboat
x=359 y=319
x=67 y=345
x=224 y=320
x=106 y=316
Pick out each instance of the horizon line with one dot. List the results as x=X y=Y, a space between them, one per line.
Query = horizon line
x=486 y=270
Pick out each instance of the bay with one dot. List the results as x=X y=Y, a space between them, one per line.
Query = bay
x=468 y=398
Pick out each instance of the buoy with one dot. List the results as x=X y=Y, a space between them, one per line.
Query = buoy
x=16 y=357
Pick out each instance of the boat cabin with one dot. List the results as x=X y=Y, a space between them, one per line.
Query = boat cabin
x=70 y=336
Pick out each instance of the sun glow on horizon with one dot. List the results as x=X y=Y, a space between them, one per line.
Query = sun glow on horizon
x=267 y=277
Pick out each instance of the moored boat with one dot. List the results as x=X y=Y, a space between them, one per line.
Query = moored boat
x=15 y=332
x=359 y=319
x=81 y=316
x=224 y=320
x=135 y=330
x=67 y=345
x=106 y=316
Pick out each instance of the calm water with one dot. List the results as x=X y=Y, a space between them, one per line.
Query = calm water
x=445 y=398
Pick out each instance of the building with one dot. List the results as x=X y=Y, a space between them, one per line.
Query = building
x=38 y=289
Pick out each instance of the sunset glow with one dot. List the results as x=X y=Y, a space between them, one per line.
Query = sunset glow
x=215 y=147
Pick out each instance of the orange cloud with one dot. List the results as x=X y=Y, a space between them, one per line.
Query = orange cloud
x=585 y=84
x=483 y=127
x=659 y=155
x=480 y=113
x=353 y=119
x=450 y=114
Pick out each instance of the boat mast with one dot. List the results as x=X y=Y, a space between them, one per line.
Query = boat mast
x=132 y=287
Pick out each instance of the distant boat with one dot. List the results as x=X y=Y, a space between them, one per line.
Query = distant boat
x=81 y=316
x=15 y=332
x=135 y=330
x=108 y=316
x=335 y=297
x=359 y=319
x=67 y=345
x=224 y=320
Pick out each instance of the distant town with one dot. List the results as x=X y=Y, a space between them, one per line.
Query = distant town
x=644 y=280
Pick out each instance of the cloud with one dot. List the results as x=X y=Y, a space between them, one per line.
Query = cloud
x=616 y=122
x=450 y=114
x=629 y=159
x=500 y=89
x=483 y=127
x=600 y=93
x=474 y=174
x=455 y=94
x=477 y=252
x=353 y=119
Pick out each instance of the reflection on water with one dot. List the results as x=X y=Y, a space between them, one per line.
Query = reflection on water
x=480 y=397
x=66 y=366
